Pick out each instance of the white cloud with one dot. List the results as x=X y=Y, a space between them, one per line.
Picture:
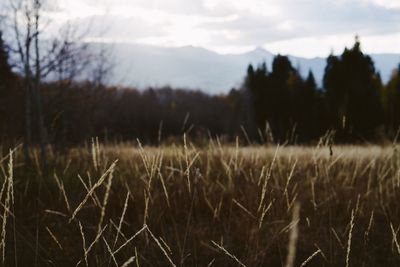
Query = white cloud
x=324 y=45
x=388 y=3
x=302 y=27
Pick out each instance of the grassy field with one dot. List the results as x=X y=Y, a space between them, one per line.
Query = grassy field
x=182 y=205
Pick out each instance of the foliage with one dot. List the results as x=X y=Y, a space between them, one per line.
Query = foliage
x=276 y=106
x=285 y=103
x=352 y=90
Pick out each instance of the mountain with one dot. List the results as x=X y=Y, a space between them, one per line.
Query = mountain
x=191 y=67
x=185 y=67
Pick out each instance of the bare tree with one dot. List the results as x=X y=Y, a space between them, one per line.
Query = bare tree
x=59 y=55
x=101 y=66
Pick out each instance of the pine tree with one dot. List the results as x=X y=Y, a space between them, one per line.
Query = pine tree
x=304 y=108
x=391 y=103
x=10 y=98
x=6 y=75
x=352 y=90
x=283 y=79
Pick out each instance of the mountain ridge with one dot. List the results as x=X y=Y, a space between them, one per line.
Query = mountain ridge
x=192 y=67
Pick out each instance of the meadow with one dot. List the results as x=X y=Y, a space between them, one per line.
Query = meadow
x=202 y=205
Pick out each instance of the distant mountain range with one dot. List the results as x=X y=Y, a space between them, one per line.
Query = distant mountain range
x=190 y=67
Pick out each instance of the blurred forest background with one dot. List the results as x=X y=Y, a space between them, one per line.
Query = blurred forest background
x=277 y=105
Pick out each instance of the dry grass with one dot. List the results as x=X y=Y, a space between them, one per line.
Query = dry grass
x=181 y=205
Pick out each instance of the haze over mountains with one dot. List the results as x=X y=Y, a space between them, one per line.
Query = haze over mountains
x=190 y=67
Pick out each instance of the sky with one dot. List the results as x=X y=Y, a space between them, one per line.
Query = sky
x=307 y=28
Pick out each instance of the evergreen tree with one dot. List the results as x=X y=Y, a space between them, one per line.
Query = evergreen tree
x=257 y=85
x=352 y=90
x=280 y=100
x=6 y=75
x=304 y=108
x=10 y=98
x=391 y=103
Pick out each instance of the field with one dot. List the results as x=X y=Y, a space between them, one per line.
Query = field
x=210 y=205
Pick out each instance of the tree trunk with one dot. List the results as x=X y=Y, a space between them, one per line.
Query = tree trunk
x=37 y=94
x=28 y=96
x=28 y=122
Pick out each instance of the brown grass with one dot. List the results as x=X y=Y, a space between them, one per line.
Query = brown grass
x=182 y=205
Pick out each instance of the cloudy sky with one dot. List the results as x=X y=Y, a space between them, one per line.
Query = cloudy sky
x=299 y=27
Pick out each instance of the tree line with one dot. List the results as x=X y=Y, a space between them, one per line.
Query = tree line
x=353 y=103
x=277 y=105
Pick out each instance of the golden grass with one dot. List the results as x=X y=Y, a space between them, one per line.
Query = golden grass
x=215 y=205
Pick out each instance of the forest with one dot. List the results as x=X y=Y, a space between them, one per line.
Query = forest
x=271 y=106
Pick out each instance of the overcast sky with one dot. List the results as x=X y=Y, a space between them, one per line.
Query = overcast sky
x=299 y=27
